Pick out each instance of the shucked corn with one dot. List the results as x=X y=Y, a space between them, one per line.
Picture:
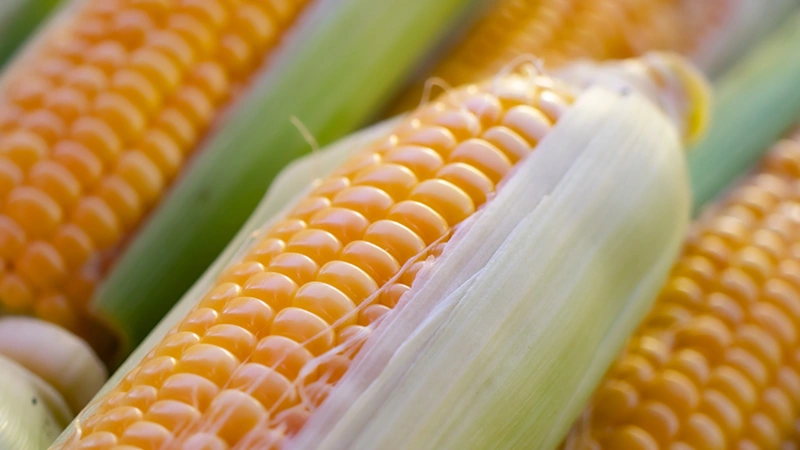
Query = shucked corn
x=716 y=364
x=238 y=369
x=269 y=340
x=94 y=124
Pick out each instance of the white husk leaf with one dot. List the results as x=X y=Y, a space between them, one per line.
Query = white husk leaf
x=55 y=355
x=536 y=293
x=32 y=413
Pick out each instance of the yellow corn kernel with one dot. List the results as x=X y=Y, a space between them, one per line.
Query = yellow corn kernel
x=716 y=364
x=270 y=339
x=97 y=120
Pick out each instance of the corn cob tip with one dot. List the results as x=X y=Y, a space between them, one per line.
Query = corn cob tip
x=669 y=80
x=695 y=93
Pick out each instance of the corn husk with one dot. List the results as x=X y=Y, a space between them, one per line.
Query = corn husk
x=32 y=413
x=46 y=376
x=501 y=342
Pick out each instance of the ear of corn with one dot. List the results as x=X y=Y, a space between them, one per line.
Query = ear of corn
x=331 y=76
x=476 y=358
x=555 y=31
x=267 y=343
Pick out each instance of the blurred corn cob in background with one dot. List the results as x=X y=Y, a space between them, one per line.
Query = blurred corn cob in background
x=563 y=30
x=559 y=31
x=262 y=348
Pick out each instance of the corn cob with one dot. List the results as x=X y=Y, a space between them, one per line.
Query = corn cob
x=721 y=31
x=565 y=30
x=96 y=121
x=268 y=342
x=716 y=364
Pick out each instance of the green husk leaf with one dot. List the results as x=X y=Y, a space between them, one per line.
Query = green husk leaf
x=342 y=63
x=519 y=318
x=756 y=102
x=18 y=19
x=744 y=23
